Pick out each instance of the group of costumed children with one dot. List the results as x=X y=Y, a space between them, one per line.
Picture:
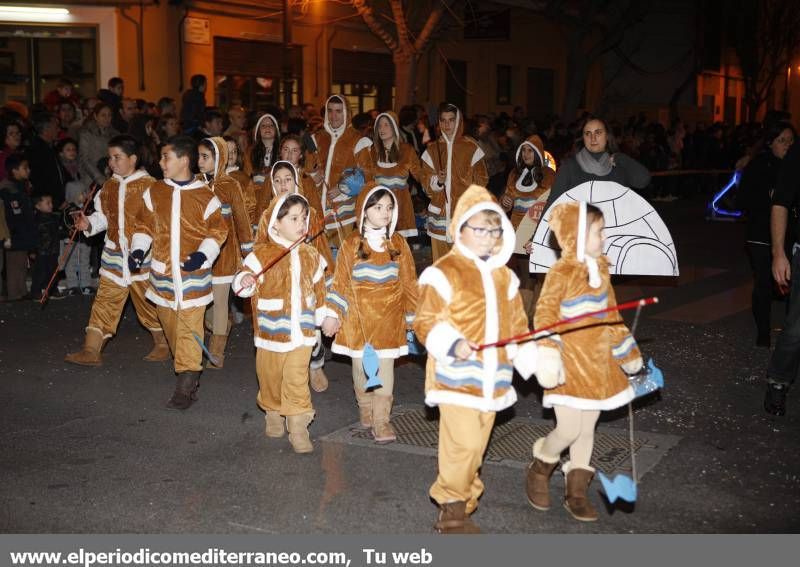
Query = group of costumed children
x=183 y=243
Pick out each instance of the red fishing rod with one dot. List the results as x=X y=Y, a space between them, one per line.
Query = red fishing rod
x=638 y=303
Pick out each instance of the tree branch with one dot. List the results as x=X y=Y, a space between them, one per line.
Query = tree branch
x=429 y=27
x=368 y=15
x=400 y=23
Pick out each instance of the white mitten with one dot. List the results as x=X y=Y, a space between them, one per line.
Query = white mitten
x=633 y=366
x=549 y=367
x=434 y=184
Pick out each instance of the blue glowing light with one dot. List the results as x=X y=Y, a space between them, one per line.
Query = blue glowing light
x=724 y=212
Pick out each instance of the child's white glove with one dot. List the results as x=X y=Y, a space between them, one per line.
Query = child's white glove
x=632 y=366
x=549 y=367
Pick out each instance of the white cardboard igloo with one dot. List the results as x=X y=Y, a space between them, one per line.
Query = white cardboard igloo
x=637 y=240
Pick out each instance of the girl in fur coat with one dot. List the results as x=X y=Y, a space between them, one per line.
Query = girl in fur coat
x=372 y=300
x=583 y=367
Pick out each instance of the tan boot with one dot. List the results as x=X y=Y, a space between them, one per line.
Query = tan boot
x=364 y=400
x=298 y=432
x=216 y=346
x=577 y=484
x=160 y=350
x=537 y=482
x=90 y=355
x=382 y=429
x=453 y=519
x=275 y=424
x=318 y=380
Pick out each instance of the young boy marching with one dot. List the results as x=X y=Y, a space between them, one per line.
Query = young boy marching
x=288 y=305
x=116 y=207
x=181 y=222
x=469 y=297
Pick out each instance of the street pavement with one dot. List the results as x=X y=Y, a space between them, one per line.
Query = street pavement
x=94 y=450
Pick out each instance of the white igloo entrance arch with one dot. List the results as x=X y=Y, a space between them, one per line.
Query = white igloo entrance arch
x=637 y=240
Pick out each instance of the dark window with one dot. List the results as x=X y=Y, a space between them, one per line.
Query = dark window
x=365 y=79
x=455 y=84
x=503 y=84
x=541 y=88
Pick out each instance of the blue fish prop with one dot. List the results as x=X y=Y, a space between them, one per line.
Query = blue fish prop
x=621 y=487
x=648 y=380
x=352 y=181
x=210 y=356
x=371 y=364
x=414 y=346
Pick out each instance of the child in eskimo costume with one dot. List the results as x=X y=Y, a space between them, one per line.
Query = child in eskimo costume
x=115 y=208
x=212 y=162
x=234 y=169
x=372 y=301
x=467 y=297
x=583 y=366
x=181 y=222
x=394 y=163
x=288 y=303
x=284 y=180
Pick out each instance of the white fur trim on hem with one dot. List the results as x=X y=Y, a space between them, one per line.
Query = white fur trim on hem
x=382 y=353
x=615 y=401
x=217 y=280
x=196 y=302
x=437 y=397
x=275 y=346
x=438 y=236
x=408 y=233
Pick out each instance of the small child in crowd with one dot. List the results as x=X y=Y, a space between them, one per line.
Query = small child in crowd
x=288 y=305
x=468 y=297
x=583 y=367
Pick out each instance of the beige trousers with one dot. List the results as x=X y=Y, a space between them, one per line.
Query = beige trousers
x=574 y=429
x=463 y=436
x=283 y=380
x=109 y=303
x=184 y=332
x=385 y=373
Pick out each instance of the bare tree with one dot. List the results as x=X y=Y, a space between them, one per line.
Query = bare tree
x=767 y=37
x=407 y=47
x=591 y=28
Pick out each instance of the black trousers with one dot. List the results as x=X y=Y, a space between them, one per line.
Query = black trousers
x=43 y=267
x=761 y=264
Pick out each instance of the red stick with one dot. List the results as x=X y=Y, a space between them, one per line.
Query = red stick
x=620 y=307
x=68 y=248
x=276 y=260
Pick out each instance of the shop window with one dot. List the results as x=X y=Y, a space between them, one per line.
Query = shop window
x=253 y=92
x=360 y=97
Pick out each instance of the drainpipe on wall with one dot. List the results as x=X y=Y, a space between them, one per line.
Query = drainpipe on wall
x=139 y=41
x=180 y=48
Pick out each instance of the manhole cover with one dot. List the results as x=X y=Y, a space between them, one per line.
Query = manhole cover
x=511 y=442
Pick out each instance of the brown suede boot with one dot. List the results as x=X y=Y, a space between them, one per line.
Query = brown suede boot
x=577 y=484
x=160 y=350
x=382 y=429
x=453 y=519
x=364 y=400
x=318 y=380
x=298 y=432
x=216 y=346
x=275 y=424
x=185 y=393
x=90 y=354
x=537 y=482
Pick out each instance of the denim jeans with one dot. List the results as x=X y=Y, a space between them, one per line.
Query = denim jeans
x=785 y=360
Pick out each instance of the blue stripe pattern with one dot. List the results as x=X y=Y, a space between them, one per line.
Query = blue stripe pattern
x=584 y=304
x=395 y=182
x=469 y=373
x=624 y=348
x=337 y=300
x=376 y=273
x=282 y=324
x=226 y=210
x=522 y=205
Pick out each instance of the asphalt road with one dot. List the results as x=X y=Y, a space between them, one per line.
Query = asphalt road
x=89 y=450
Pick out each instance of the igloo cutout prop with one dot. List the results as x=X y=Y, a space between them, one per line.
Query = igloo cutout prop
x=638 y=243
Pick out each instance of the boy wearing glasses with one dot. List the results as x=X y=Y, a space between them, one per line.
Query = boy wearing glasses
x=467 y=298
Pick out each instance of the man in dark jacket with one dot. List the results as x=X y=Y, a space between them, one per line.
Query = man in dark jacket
x=47 y=174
